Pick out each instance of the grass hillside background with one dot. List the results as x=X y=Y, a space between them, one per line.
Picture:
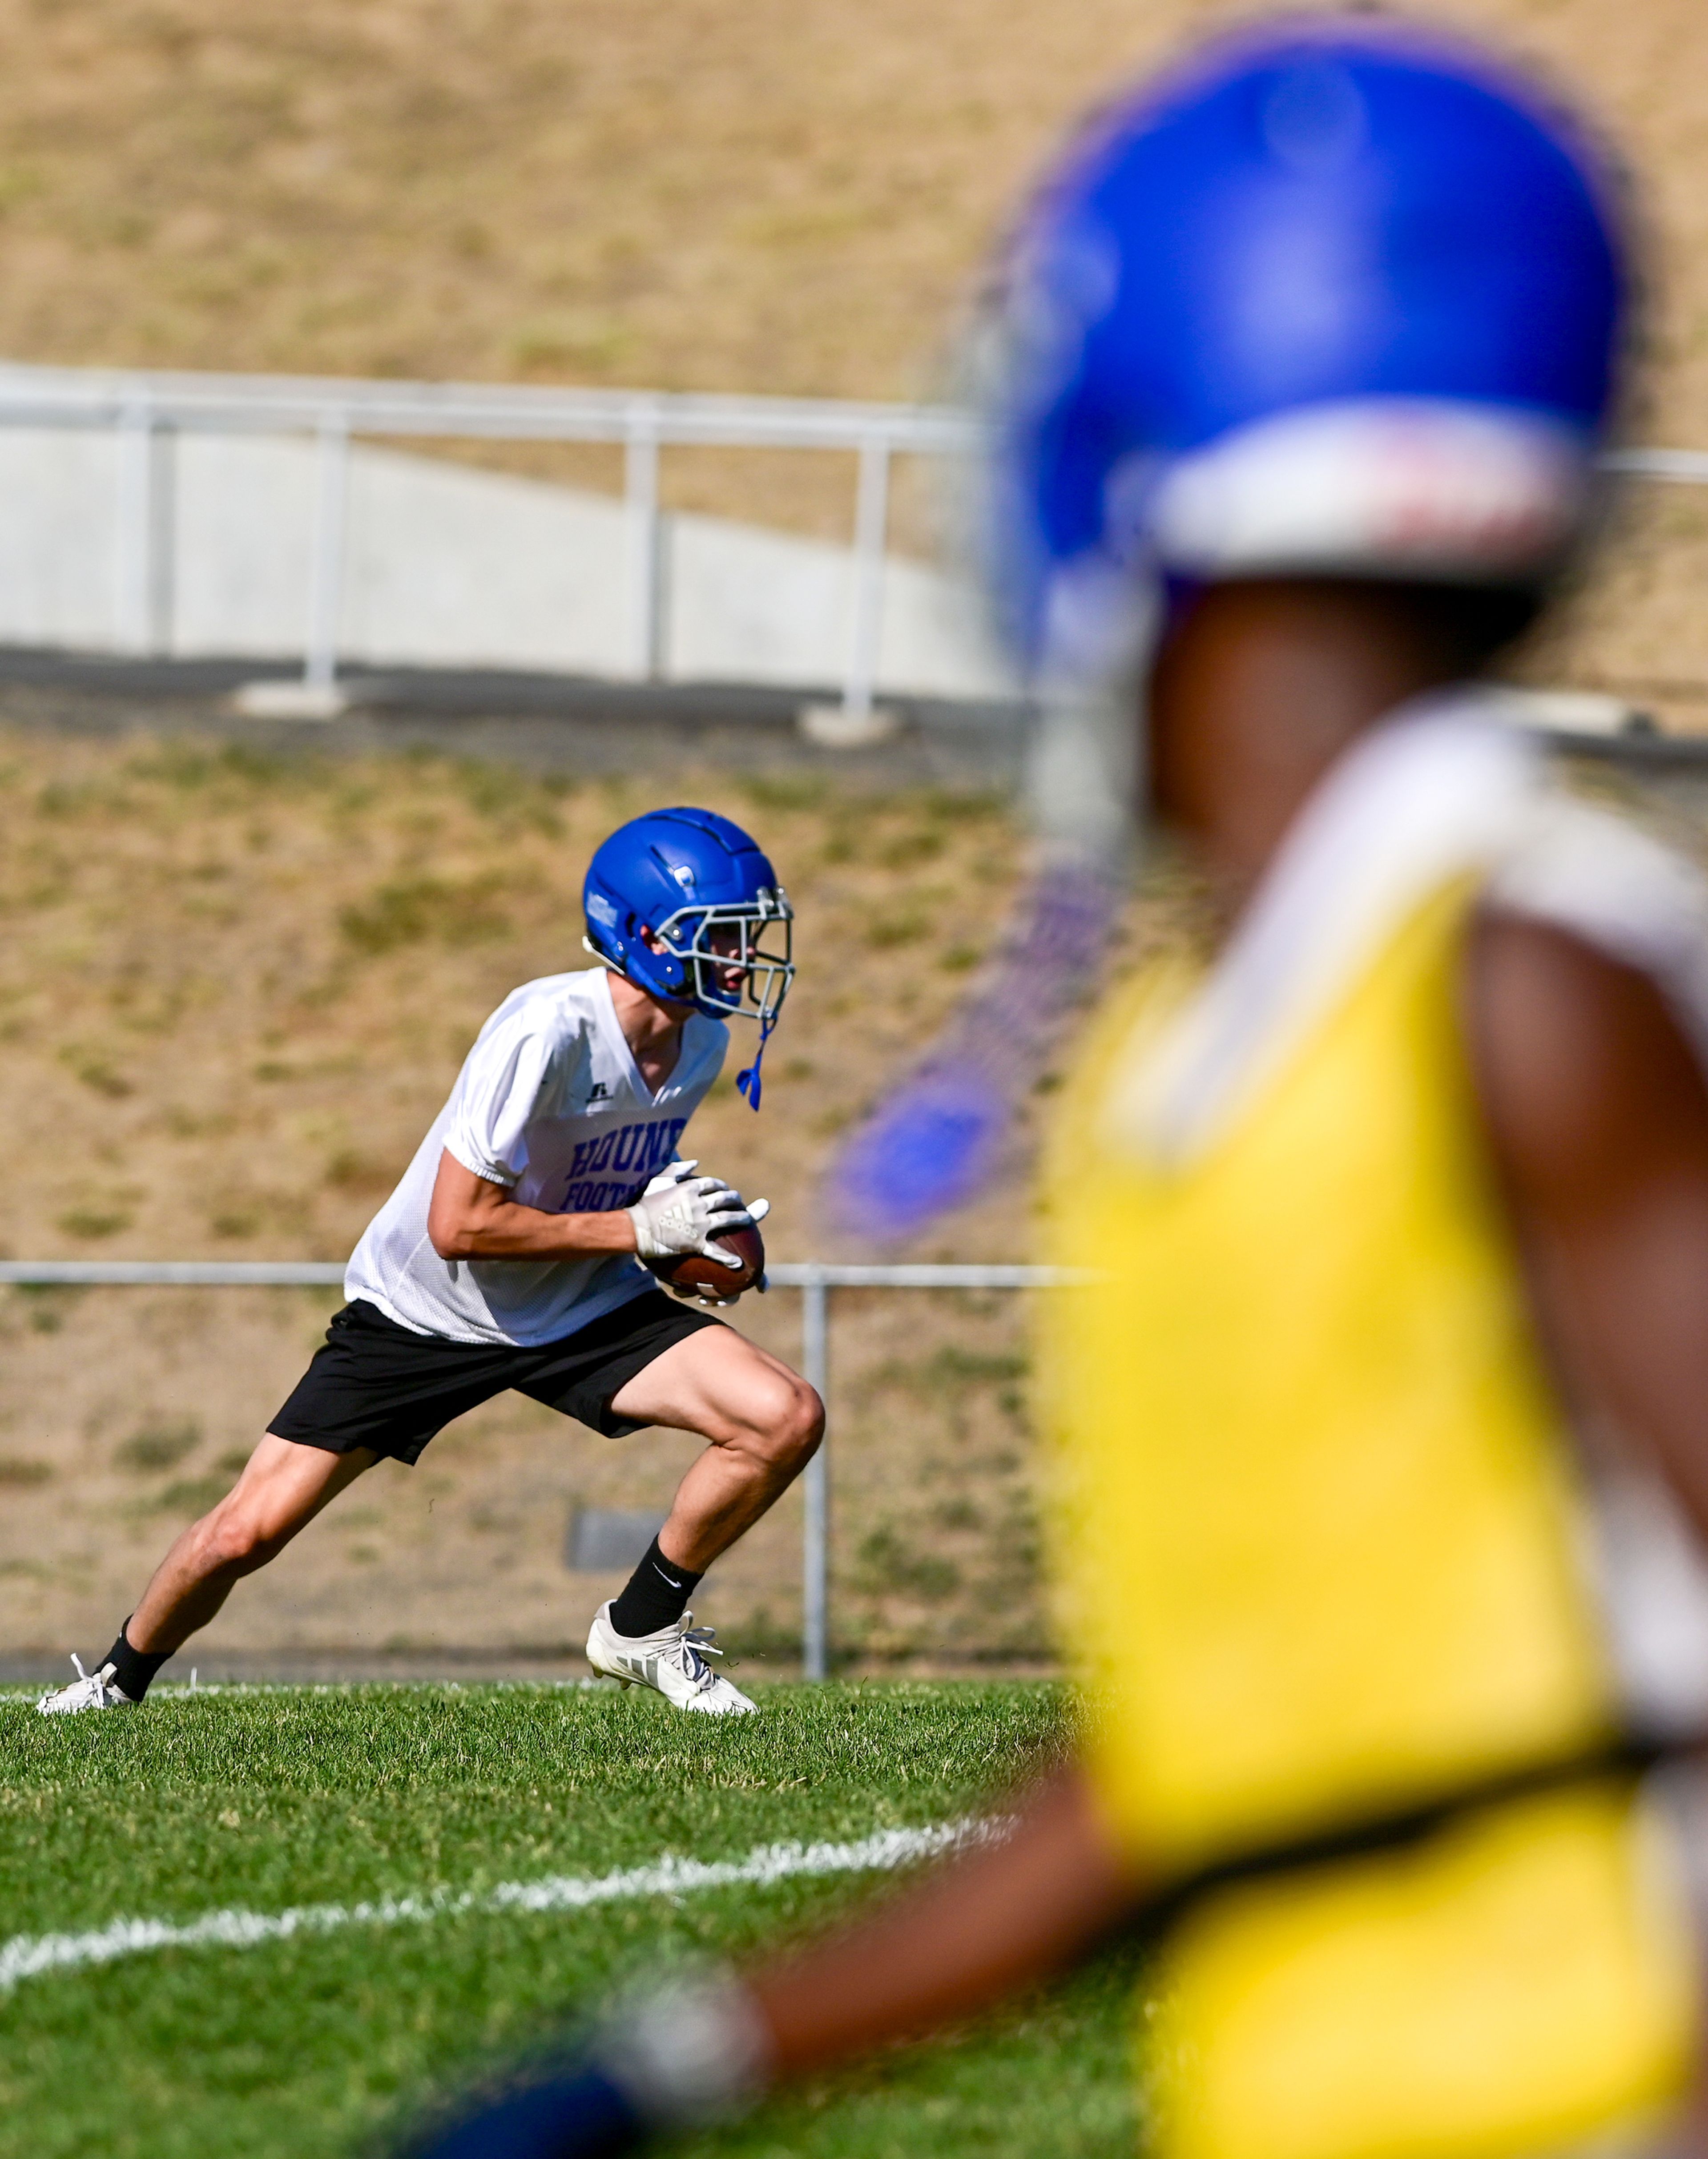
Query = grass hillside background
x=234 y=992
x=787 y=196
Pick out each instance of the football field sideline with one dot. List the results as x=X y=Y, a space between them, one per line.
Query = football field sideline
x=283 y=1917
x=26 y=1956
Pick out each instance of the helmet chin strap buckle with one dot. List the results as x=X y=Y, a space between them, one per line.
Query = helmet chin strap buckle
x=749 y=1082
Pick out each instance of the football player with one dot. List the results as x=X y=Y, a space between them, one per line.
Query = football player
x=510 y=1256
x=1382 y=1421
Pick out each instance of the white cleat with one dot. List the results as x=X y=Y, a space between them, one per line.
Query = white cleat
x=672 y=1663
x=88 y=1690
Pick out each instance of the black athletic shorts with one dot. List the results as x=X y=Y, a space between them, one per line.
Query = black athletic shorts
x=376 y=1384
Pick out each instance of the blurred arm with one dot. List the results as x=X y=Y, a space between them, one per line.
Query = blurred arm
x=977 y=1929
x=1598 y=1114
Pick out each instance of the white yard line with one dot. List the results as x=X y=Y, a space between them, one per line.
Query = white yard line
x=26 y=1956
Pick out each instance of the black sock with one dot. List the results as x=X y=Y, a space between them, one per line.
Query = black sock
x=656 y=1596
x=132 y=1669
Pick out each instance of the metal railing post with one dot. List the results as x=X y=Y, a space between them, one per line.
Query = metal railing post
x=133 y=557
x=866 y=625
x=161 y=584
x=646 y=531
x=813 y=1278
x=326 y=552
x=815 y=1485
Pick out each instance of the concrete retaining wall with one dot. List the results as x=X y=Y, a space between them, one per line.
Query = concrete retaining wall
x=443 y=566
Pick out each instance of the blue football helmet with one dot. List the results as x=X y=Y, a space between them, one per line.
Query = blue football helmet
x=1330 y=298
x=703 y=888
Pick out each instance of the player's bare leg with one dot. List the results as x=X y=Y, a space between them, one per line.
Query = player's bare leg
x=283 y=1487
x=765 y=1423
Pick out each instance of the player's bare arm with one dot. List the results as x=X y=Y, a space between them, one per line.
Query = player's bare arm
x=1595 y=1103
x=1598 y=1114
x=475 y=1218
x=471 y=1218
x=998 y=1919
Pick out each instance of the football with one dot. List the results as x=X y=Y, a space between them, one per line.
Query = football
x=691 y=1274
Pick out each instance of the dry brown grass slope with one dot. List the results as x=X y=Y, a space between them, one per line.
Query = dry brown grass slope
x=233 y=994
x=234 y=989
x=788 y=195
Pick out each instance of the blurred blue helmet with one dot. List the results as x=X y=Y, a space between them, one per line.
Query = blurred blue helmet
x=703 y=888
x=1329 y=299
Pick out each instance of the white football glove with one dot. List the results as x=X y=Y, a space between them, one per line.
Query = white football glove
x=680 y=1213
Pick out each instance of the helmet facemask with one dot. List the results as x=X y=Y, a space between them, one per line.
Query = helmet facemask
x=732 y=965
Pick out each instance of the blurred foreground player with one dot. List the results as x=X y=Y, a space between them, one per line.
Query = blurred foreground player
x=1381 y=1424
x=509 y=1257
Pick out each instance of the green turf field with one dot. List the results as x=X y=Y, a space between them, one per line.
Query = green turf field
x=265 y=1800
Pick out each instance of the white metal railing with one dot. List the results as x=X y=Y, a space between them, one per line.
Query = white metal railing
x=147 y=410
x=1687 y=468
x=813 y=1278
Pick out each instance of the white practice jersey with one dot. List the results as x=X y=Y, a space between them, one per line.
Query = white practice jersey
x=550 y=1103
